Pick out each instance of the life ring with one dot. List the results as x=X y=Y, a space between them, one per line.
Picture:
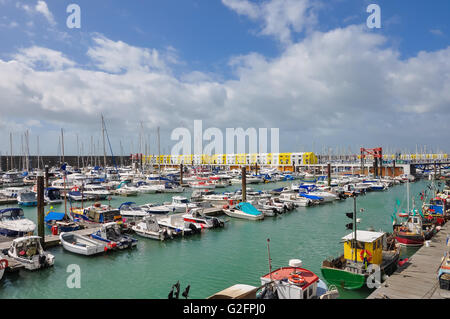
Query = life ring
x=97 y=204
x=296 y=279
x=75 y=189
x=368 y=254
x=3 y=263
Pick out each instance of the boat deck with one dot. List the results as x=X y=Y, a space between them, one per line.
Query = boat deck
x=417 y=279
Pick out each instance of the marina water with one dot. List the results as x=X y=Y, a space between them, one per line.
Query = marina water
x=215 y=259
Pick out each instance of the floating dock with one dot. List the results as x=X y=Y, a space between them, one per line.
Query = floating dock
x=418 y=278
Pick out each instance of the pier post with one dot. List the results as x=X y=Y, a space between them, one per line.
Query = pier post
x=329 y=173
x=393 y=168
x=244 y=184
x=375 y=167
x=46 y=176
x=181 y=174
x=40 y=207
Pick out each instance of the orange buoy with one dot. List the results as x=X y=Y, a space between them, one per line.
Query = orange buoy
x=296 y=279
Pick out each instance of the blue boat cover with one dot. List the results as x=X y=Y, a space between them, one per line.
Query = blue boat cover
x=54 y=216
x=126 y=203
x=248 y=209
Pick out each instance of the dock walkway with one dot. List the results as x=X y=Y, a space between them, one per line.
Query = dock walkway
x=418 y=279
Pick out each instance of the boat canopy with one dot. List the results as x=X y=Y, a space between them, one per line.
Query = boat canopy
x=54 y=216
x=364 y=236
x=248 y=208
x=310 y=196
x=126 y=204
x=12 y=212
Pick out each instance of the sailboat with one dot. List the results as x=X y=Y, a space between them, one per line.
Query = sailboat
x=364 y=252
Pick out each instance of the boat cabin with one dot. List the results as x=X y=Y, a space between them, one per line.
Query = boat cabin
x=367 y=248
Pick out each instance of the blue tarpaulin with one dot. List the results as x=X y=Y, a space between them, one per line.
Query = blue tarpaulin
x=54 y=216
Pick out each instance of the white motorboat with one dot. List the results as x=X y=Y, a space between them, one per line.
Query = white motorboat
x=200 y=220
x=177 y=225
x=179 y=204
x=28 y=251
x=52 y=196
x=14 y=224
x=126 y=191
x=202 y=185
x=96 y=191
x=27 y=199
x=156 y=209
x=294 y=199
x=111 y=233
x=217 y=199
x=131 y=212
x=149 y=228
x=144 y=188
x=81 y=245
x=14 y=192
x=244 y=211
x=171 y=188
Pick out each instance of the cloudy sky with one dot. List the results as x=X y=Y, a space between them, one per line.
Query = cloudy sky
x=313 y=69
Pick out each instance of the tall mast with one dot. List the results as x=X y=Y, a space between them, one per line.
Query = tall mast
x=159 y=151
x=39 y=164
x=11 y=151
x=104 y=146
x=78 y=153
x=62 y=145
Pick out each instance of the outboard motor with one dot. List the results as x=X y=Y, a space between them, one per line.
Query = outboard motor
x=43 y=261
x=194 y=229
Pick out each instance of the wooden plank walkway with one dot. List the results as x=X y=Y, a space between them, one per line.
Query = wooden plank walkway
x=417 y=279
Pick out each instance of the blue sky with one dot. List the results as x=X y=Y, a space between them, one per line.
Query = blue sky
x=215 y=56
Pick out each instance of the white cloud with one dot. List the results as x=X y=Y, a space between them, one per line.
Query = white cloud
x=43 y=58
x=279 y=18
x=41 y=7
x=343 y=85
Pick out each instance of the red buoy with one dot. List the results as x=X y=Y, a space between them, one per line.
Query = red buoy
x=54 y=230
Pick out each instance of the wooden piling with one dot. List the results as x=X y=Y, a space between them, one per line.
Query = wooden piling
x=329 y=173
x=40 y=207
x=244 y=184
x=46 y=176
x=181 y=174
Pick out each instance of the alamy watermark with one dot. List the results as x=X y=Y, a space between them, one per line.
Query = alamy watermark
x=74 y=19
x=374 y=20
x=74 y=279
x=257 y=140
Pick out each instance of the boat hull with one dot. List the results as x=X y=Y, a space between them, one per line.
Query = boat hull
x=409 y=240
x=342 y=278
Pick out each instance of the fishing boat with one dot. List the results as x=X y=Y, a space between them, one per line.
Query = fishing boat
x=244 y=211
x=97 y=213
x=111 y=233
x=59 y=222
x=131 y=212
x=14 y=224
x=148 y=227
x=351 y=270
x=410 y=233
x=28 y=251
x=200 y=220
x=82 y=245
x=295 y=282
x=27 y=199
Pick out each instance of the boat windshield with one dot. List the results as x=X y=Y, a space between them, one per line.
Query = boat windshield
x=13 y=214
x=28 y=196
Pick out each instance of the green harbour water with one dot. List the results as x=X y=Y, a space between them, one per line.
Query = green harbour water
x=214 y=259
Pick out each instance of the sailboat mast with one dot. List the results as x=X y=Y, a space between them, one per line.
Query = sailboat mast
x=62 y=144
x=104 y=146
x=354 y=227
